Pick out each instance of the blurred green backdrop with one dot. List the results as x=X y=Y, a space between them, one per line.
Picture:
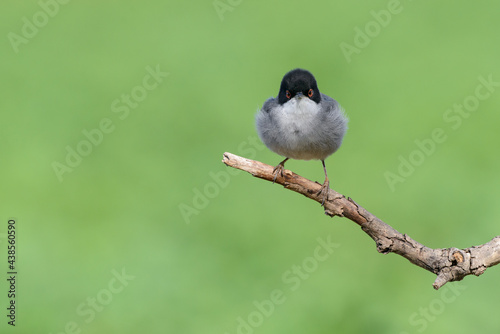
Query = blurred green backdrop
x=114 y=119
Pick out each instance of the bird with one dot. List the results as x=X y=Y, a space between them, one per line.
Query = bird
x=302 y=123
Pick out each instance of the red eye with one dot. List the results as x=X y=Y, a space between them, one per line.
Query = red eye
x=288 y=95
x=310 y=93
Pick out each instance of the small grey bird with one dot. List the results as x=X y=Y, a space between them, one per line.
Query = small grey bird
x=301 y=123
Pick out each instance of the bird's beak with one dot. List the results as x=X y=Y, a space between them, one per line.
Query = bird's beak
x=299 y=95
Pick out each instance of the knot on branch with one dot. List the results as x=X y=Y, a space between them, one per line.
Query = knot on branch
x=384 y=245
x=455 y=269
x=458 y=257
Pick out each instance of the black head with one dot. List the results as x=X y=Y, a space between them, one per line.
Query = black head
x=298 y=81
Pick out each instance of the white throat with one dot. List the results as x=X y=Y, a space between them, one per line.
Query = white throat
x=299 y=112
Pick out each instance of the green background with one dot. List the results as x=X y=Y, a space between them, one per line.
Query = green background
x=200 y=262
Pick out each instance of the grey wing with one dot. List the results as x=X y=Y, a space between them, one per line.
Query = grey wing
x=269 y=104
x=265 y=118
x=334 y=115
x=265 y=122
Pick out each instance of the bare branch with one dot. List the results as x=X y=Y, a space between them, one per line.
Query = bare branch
x=449 y=264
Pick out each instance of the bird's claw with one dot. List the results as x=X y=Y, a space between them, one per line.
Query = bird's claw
x=278 y=170
x=325 y=188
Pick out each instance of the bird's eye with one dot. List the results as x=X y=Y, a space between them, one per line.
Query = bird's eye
x=288 y=95
x=310 y=93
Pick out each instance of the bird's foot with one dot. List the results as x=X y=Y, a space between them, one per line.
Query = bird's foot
x=278 y=170
x=325 y=188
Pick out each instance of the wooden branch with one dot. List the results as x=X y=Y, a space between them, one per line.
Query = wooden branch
x=449 y=264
